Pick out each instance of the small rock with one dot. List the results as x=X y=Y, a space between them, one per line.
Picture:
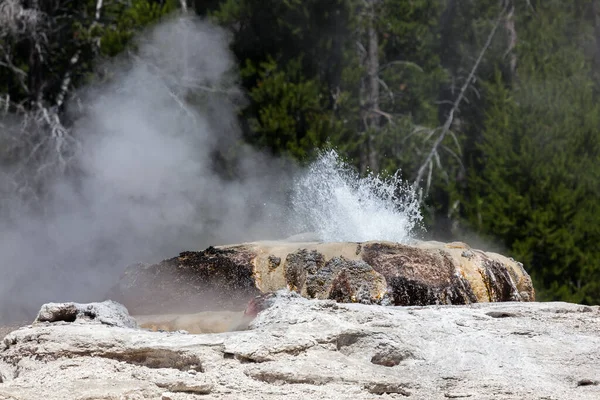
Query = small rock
x=381 y=388
x=587 y=382
x=54 y=312
x=391 y=358
x=501 y=314
x=108 y=313
x=190 y=387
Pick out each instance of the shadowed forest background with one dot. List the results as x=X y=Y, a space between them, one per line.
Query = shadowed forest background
x=490 y=108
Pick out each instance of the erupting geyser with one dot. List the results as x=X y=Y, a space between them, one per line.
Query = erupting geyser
x=331 y=200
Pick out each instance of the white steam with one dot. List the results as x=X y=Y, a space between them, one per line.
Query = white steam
x=147 y=187
x=334 y=202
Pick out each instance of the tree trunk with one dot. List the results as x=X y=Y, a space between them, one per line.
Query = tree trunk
x=370 y=110
x=374 y=119
x=511 y=32
x=448 y=58
x=596 y=11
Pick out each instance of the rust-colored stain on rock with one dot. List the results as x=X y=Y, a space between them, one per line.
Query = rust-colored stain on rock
x=226 y=277
x=418 y=276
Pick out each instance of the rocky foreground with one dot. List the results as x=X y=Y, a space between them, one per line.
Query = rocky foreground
x=302 y=349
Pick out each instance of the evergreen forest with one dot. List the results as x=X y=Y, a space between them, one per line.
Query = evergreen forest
x=489 y=108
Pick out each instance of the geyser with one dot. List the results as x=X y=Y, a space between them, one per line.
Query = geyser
x=147 y=186
x=331 y=200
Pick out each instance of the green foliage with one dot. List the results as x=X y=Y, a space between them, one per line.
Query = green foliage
x=538 y=189
x=71 y=32
x=410 y=65
x=125 y=20
x=292 y=54
x=290 y=116
x=521 y=164
x=411 y=71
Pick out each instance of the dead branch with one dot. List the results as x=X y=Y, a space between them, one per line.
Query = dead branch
x=428 y=163
x=387 y=89
x=15 y=20
x=21 y=75
x=64 y=87
x=387 y=116
x=400 y=62
x=98 y=9
x=511 y=31
x=184 y=7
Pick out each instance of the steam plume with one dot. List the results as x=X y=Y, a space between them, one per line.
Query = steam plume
x=147 y=187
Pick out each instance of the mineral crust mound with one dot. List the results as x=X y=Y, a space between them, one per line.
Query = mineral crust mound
x=386 y=273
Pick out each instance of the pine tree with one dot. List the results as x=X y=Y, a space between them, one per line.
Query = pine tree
x=291 y=53
x=535 y=182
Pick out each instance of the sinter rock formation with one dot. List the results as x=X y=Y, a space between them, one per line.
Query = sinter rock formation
x=271 y=343
x=302 y=349
x=385 y=273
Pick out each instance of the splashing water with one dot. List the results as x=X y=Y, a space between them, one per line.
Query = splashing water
x=331 y=200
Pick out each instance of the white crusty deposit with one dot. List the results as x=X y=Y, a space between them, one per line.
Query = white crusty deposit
x=300 y=348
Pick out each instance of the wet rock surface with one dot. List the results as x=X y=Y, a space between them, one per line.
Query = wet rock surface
x=299 y=348
x=192 y=282
x=225 y=277
x=208 y=321
x=419 y=276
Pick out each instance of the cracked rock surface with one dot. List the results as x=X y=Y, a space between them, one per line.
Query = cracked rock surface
x=300 y=348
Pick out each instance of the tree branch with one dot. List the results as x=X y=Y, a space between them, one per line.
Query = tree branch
x=64 y=87
x=22 y=75
x=446 y=127
x=399 y=62
x=98 y=9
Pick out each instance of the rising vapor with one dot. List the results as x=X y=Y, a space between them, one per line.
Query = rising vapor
x=146 y=186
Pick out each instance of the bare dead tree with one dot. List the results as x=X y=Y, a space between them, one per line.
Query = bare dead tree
x=374 y=90
x=36 y=143
x=66 y=81
x=370 y=87
x=16 y=20
x=511 y=31
x=18 y=23
x=99 y=4
x=433 y=155
x=372 y=116
x=184 y=7
x=596 y=12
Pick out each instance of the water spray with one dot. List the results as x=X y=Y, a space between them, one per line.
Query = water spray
x=332 y=200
